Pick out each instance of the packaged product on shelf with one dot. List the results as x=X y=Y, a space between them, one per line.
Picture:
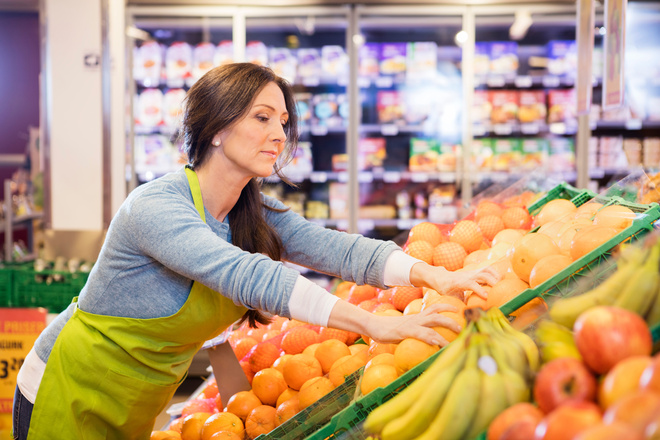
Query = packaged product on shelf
x=532 y=108
x=304 y=107
x=178 y=63
x=534 y=153
x=338 y=194
x=562 y=106
x=441 y=208
x=562 y=57
x=256 y=52
x=423 y=154
x=369 y=60
x=593 y=152
x=138 y=68
x=482 y=154
x=224 y=53
x=421 y=205
x=203 y=60
x=481 y=111
x=419 y=104
x=389 y=105
x=422 y=60
x=448 y=157
x=651 y=152
x=309 y=66
x=392 y=58
x=403 y=208
x=283 y=62
x=340 y=162
x=172 y=105
x=562 y=155
x=618 y=114
x=317 y=209
x=150 y=62
x=481 y=59
x=504 y=58
x=154 y=156
x=149 y=111
x=334 y=64
x=326 y=110
x=504 y=105
x=295 y=201
x=301 y=164
x=507 y=154
x=371 y=153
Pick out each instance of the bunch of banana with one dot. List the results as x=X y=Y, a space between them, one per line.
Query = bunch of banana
x=486 y=369
x=555 y=341
x=634 y=285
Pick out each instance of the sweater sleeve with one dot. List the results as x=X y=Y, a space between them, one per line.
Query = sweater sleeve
x=350 y=257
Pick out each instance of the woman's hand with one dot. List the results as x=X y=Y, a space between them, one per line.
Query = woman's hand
x=453 y=283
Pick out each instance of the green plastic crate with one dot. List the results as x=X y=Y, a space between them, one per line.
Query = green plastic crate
x=50 y=289
x=562 y=191
x=6 y=297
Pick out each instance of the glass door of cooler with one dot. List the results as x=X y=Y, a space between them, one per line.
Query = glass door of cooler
x=307 y=46
x=411 y=126
x=169 y=49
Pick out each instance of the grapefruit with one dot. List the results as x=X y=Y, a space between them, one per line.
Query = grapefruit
x=528 y=251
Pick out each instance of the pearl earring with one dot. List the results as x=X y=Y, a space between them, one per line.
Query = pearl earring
x=216 y=143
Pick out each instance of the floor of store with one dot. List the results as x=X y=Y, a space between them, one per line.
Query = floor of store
x=182 y=394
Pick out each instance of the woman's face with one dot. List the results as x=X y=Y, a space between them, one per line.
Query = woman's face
x=254 y=143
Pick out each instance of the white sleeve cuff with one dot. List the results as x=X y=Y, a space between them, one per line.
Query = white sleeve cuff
x=311 y=303
x=397 y=269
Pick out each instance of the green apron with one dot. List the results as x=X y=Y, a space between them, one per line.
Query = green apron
x=118 y=374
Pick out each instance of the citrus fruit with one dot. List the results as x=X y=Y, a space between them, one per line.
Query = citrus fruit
x=241 y=403
x=222 y=421
x=346 y=366
x=377 y=376
x=422 y=250
x=289 y=393
x=558 y=209
x=176 y=424
x=548 y=267
x=446 y=333
x=357 y=294
x=516 y=218
x=505 y=290
x=368 y=304
x=286 y=410
x=615 y=216
x=529 y=313
x=589 y=238
x=376 y=348
x=449 y=255
x=261 y=420
x=476 y=257
x=300 y=368
x=313 y=390
x=490 y=225
x=425 y=231
x=193 y=424
x=402 y=296
x=467 y=234
x=310 y=350
x=411 y=352
x=280 y=361
x=588 y=210
x=486 y=208
x=507 y=236
x=414 y=306
x=343 y=288
x=333 y=333
x=528 y=251
x=225 y=435
x=164 y=435
x=291 y=323
x=247 y=370
x=329 y=351
x=262 y=356
x=297 y=339
x=383 y=307
x=198 y=405
x=268 y=384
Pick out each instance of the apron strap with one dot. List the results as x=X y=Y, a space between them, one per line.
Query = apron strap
x=196 y=191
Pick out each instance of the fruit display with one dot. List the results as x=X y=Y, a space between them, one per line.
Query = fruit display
x=485 y=370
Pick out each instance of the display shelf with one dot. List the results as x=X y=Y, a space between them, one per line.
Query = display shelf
x=524 y=81
x=387 y=176
x=630 y=125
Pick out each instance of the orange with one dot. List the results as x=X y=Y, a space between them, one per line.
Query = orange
x=268 y=384
x=383 y=307
x=507 y=236
x=402 y=296
x=225 y=435
x=313 y=390
x=377 y=376
x=291 y=323
x=164 y=435
x=529 y=313
x=615 y=216
x=446 y=333
x=426 y=231
x=241 y=403
x=476 y=257
x=357 y=294
x=280 y=361
x=297 y=339
x=467 y=234
x=300 y=368
x=504 y=291
x=333 y=333
x=329 y=351
x=422 y=250
x=270 y=334
x=346 y=366
x=516 y=218
x=263 y=355
x=260 y=421
x=310 y=350
x=198 y=405
x=376 y=348
x=567 y=234
x=289 y=393
x=247 y=370
x=414 y=306
x=383 y=358
x=192 y=426
x=589 y=238
x=486 y=208
x=449 y=255
x=444 y=299
x=176 y=424
x=358 y=348
x=558 y=209
x=210 y=389
x=257 y=333
x=368 y=304
x=552 y=229
x=528 y=251
x=475 y=300
x=411 y=352
x=490 y=225
x=222 y=421
x=547 y=267
x=343 y=288
x=503 y=267
x=385 y=296
x=243 y=346
x=276 y=323
x=588 y=210
x=286 y=410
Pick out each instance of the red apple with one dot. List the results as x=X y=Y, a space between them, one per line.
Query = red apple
x=605 y=335
x=568 y=420
x=613 y=431
x=637 y=409
x=650 y=378
x=561 y=380
x=516 y=422
x=623 y=378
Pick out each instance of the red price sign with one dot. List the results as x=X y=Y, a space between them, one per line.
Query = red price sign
x=19 y=328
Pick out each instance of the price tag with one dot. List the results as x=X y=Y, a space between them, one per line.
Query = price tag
x=523 y=82
x=496 y=81
x=530 y=128
x=391 y=177
x=319 y=130
x=311 y=81
x=478 y=130
x=447 y=177
x=389 y=130
x=19 y=328
x=384 y=82
x=419 y=177
x=342 y=177
x=634 y=124
x=318 y=177
x=502 y=129
x=365 y=177
x=550 y=81
x=557 y=128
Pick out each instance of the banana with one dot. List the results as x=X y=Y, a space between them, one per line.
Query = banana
x=399 y=404
x=462 y=401
x=517 y=388
x=515 y=356
x=414 y=421
x=638 y=294
x=494 y=398
x=566 y=310
x=524 y=340
x=555 y=341
x=653 y=315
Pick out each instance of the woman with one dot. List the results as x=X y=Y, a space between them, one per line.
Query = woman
x=191 y=253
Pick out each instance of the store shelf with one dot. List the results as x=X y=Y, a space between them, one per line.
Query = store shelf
x=629 y=125
x=369 y=224
x=524 y=81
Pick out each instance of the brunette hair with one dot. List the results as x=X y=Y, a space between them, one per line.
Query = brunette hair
x=216 y=102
